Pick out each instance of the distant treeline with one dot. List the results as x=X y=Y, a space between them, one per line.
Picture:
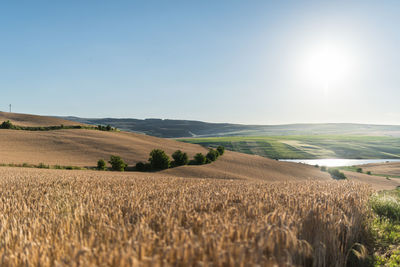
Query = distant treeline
x=159 y=160
x=10 y=126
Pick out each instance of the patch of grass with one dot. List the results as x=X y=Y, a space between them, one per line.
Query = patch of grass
x=386 y=175
x=387 y=204
x=385 y=228
x=348 y=168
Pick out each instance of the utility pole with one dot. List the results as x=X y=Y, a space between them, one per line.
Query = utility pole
x=10 y=108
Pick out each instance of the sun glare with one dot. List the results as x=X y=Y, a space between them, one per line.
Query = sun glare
x=327 y=64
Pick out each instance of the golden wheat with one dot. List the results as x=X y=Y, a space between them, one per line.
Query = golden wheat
x=86 y=218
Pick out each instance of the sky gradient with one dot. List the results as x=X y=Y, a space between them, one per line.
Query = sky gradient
x=216 y=61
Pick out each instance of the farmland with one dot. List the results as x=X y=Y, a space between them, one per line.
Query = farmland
x=87 y=218
x=239 y=210
x=308 y=146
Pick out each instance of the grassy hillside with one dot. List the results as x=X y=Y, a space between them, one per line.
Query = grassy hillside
x=186 y=128
x=308 y=146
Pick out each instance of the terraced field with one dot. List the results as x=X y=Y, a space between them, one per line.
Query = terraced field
x=309 y=146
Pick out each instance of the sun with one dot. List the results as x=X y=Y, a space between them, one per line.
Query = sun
x=327 y=63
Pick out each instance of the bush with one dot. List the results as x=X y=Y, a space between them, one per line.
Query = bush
x=359 y=170
x=159 y=160
x=323 y=168
x=43 y=166
x=140 y=166
x=369 y=173
x=180 y=158
x=212 y=155
x=386 y=204
x=6 y=125
x=117 y=164
x=147 y=167
x=336 y=174
x=101 y=165
x=105 y=128
x=199 y=159
x=221 y=150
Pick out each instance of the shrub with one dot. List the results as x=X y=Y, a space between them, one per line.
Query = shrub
x=140 y=166
x=43 y=166
x=336 y=174
x=323 y=168
x=199 y=159
x=105 y=128
x=147 y=167
x=101 y=165
x=6 y=125
x=221 y=150
x=159 y=160
x=117 y=164
x=359 y=170
x=386 y=204
x=369 y=173
x=180 y=158
x=212 y=155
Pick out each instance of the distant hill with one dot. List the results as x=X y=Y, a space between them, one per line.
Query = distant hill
x=186 y=128
x=84 y=147
x=29 y=120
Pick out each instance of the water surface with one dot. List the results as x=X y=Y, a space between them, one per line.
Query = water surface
x=339 y=162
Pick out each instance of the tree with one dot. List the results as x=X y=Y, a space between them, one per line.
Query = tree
x=6 y=125
x=108 y=128
x=212 y=155
x=359 y=170
x=159 y=160
x=221 y=150
x=140 y=166
x=180 y=158
x=199 y=159
x=117 y=164
x=101 y=165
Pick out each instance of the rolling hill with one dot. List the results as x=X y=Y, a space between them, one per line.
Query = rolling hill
x=83 y=147
x=187 y=128
x=35 y=120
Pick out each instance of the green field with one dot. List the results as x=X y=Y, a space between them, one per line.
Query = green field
x=308 y=146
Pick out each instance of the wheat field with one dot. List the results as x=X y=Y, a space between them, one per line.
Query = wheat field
x=87 y=218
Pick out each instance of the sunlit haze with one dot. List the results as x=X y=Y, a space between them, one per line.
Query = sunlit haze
x=252 y=62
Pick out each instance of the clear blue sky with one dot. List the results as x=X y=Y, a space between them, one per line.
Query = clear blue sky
x=218 y=61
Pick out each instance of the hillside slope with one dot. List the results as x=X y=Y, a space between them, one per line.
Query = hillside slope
x=34 y=120
x=187 y=128
x=82 y=147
